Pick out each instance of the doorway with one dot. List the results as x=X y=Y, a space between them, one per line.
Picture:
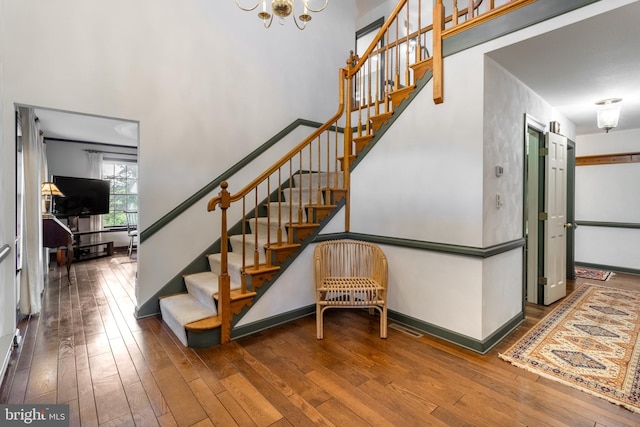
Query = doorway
x=534 y=205
x=80 y=146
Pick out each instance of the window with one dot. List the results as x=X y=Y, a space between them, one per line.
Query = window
x=123 y=176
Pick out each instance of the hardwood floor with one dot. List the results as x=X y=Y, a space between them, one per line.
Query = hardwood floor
x=86 y=349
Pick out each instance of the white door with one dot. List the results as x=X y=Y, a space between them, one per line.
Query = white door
x=555 y=208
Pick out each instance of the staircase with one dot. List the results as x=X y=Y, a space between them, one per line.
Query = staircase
x=194 y=312
x=281 y=211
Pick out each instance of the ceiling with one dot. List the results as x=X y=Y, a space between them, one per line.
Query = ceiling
x=364 y=6
x=82 y=127
x=571 y=68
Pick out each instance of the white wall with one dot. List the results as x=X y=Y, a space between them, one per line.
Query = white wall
x=7 y=221
x=206 y=82
x=608 y=193
x=504 y=129
x=431 y=177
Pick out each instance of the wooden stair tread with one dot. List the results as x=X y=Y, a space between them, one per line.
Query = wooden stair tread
x=319 y=206
x=204 y=324
x=237 y=295
x=262 y=268
x=283 y=246
x=381 y=116
x=303 y=225
x=363 y=137
x=421 y=67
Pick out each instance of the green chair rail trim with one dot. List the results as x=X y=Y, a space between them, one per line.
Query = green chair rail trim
x=479 y=346
x=204 y=191
x=4 y=251
x=447 y=248
x=609 y=224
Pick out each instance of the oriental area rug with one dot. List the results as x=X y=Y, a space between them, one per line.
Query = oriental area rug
x=592 y=273
x=589 y=342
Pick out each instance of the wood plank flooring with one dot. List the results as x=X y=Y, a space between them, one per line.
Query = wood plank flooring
x=87 y=349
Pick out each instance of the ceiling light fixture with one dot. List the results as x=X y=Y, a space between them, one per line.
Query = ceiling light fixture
x=282 y=9
x=608 y=112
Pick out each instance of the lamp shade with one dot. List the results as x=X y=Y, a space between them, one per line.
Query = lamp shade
x=50 y=189
x=608 y=113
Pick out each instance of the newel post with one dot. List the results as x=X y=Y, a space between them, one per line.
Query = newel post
x=348 y=140
x=438 y=27
x=224 y=281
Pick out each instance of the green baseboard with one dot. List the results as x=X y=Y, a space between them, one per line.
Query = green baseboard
x=479 y=346
x=261 y=325
x=613 y=268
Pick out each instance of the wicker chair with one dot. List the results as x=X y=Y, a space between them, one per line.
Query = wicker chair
x=350 y=274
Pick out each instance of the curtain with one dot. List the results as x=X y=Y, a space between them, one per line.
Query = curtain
x=33 y=256
x=95 y=171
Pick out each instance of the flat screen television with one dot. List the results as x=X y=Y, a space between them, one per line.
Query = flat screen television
x=82 y=196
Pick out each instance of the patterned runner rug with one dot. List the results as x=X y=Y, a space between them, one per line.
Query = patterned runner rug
x=590 y=342
x=592 y=273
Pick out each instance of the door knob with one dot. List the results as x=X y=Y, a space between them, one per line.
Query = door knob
x=568 y=225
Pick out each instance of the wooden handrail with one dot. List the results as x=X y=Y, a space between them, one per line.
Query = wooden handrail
x=377 y=38
x=325 y=127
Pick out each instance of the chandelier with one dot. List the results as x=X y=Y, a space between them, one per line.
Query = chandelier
x=282 y=9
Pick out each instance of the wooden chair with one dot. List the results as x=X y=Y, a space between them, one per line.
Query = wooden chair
x=132 y=230
x=350 y=274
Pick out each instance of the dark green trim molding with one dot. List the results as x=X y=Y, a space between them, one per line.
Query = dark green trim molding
x=261 y=325
x=176 y=285
x=204 y=191
x=203 y=339
x=102 y=144
x=473 y=344
x=429 y=246
x=609 y=224
x=609 y=267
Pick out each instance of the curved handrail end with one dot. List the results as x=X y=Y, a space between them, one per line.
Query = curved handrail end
x=221 y=199
x=211 y=206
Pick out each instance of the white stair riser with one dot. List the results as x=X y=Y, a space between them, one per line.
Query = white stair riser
x=202 y=286
x=234 y=264
x=318 y=180
x=305 y=194
x=249 y=246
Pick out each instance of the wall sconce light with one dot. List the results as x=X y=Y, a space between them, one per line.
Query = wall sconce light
x=608 y=112
x=49 y=189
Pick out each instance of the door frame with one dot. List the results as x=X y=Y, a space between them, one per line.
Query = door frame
x=533 y=203
x=531 y=207
x=571 y=209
